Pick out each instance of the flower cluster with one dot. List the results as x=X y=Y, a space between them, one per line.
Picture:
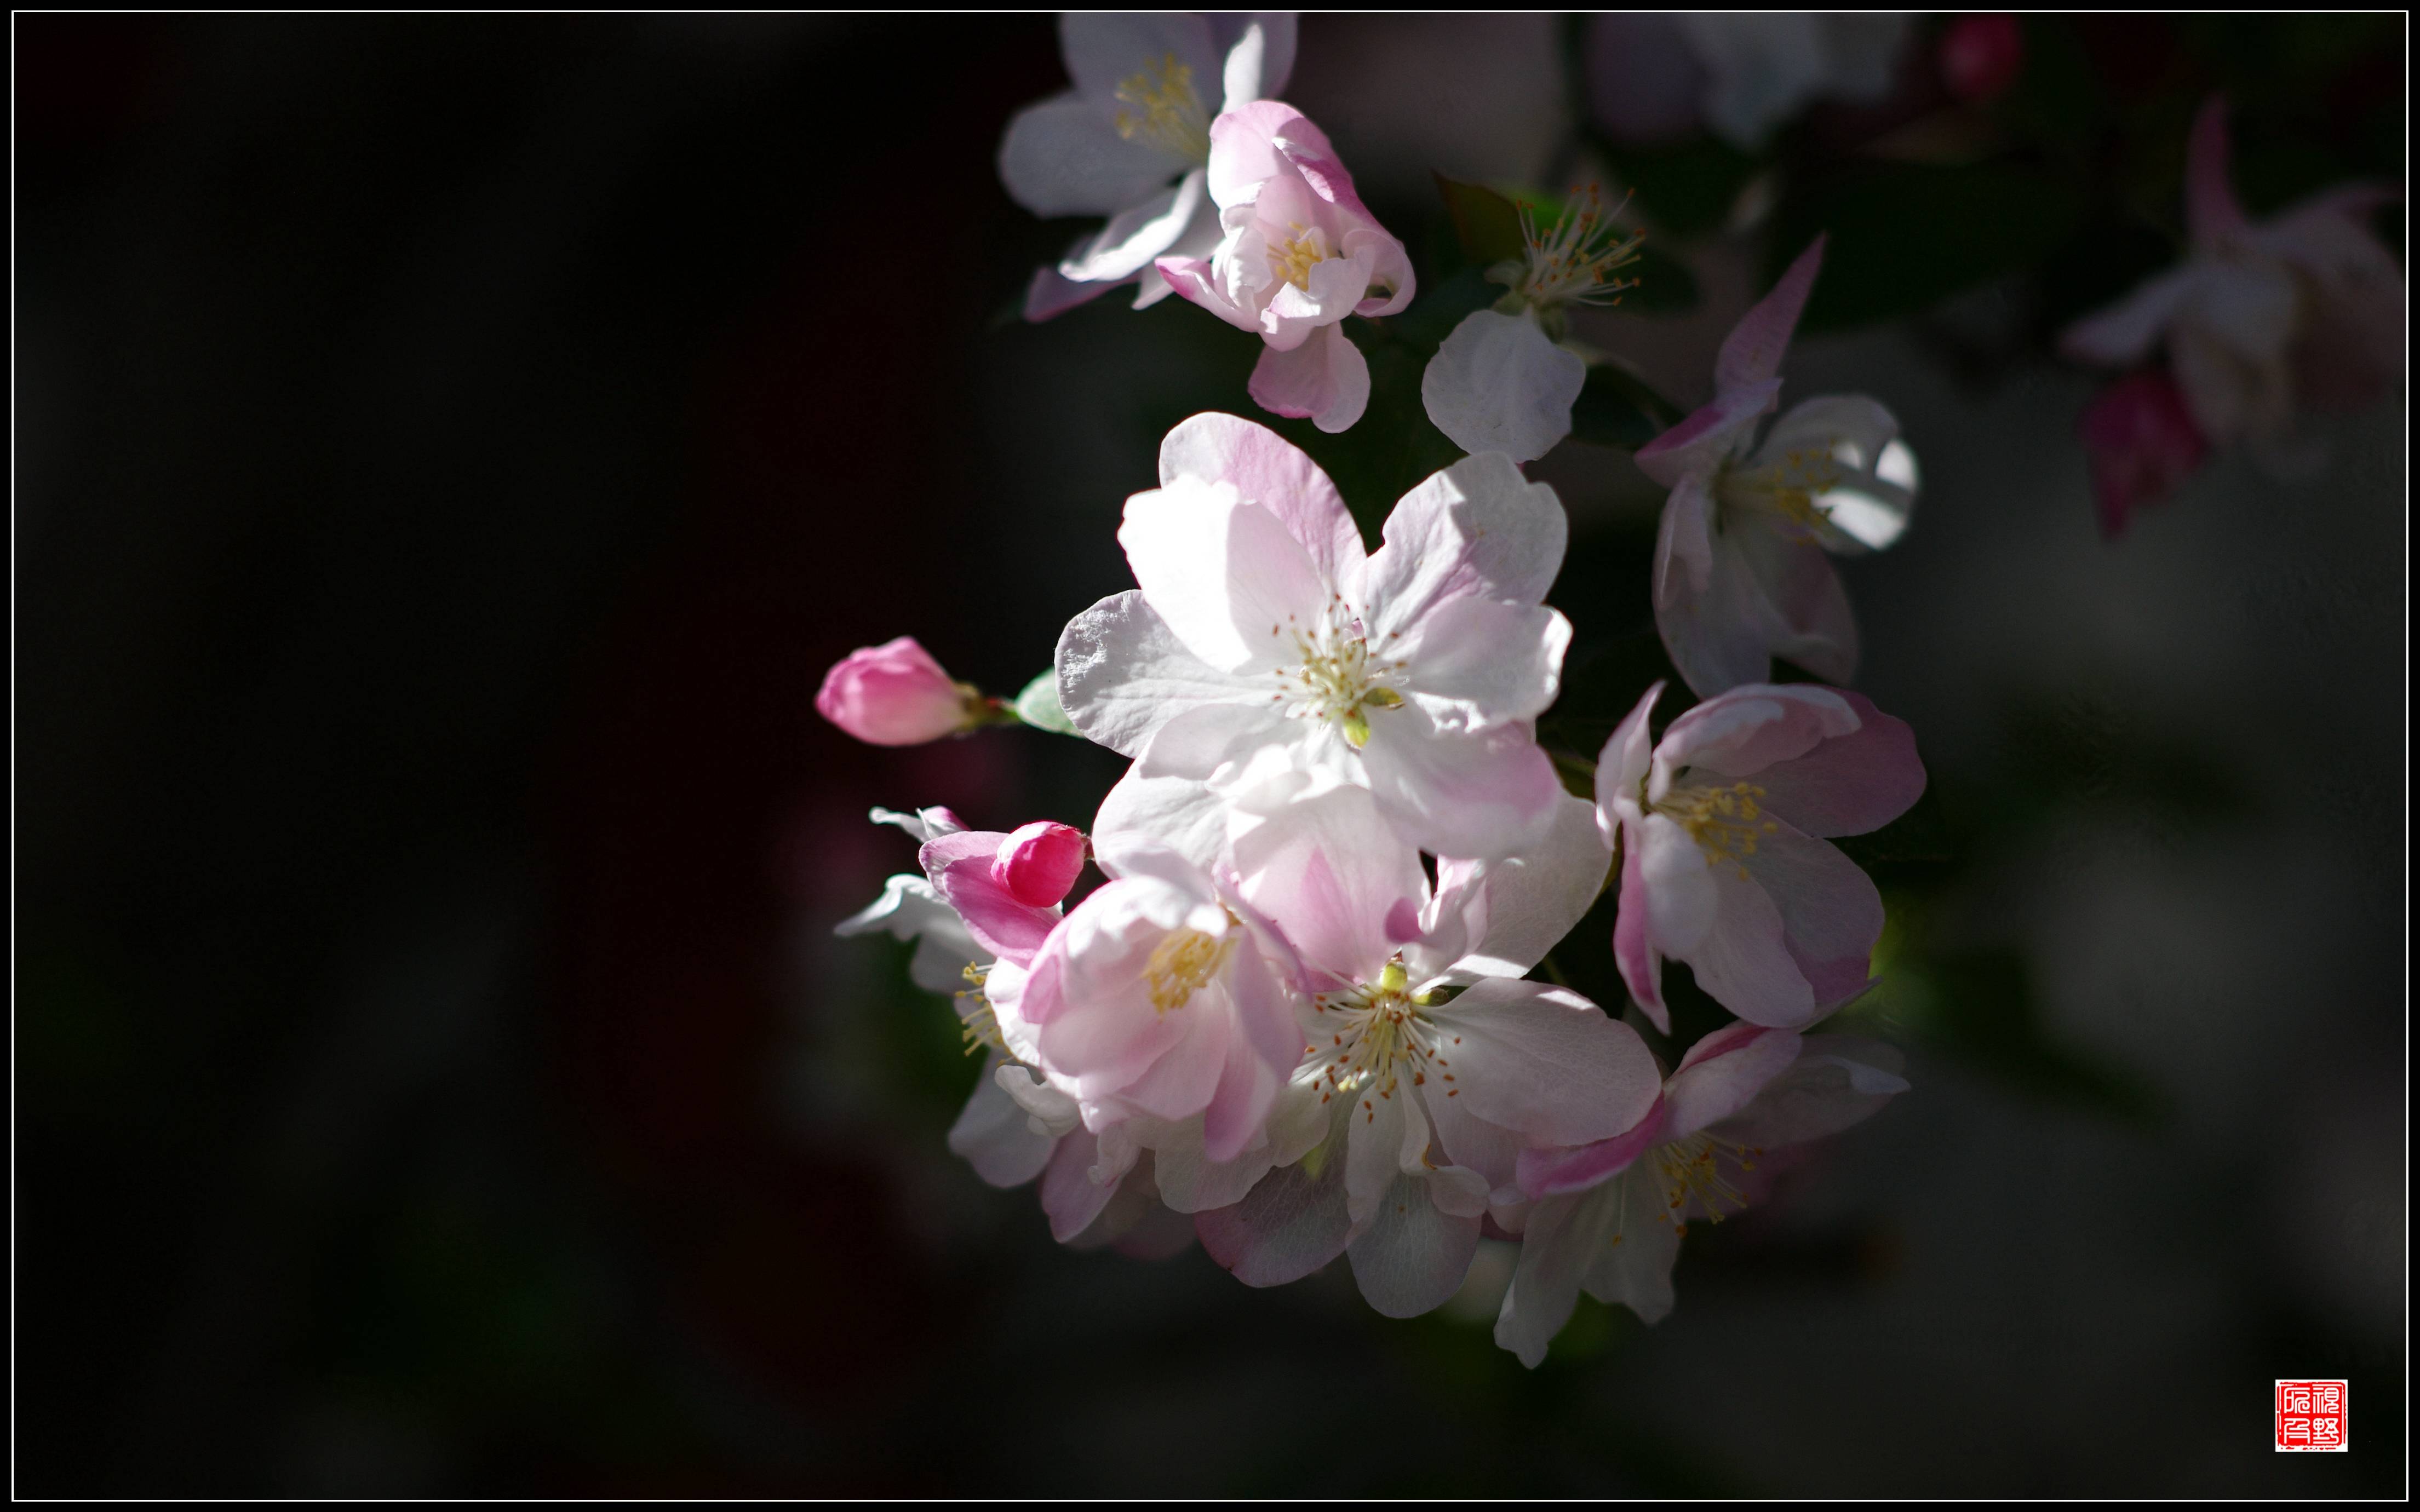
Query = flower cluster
x=1300 y=1008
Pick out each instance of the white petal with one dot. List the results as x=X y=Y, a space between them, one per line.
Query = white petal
x=1330 y=870
x=1228 y=578
x=1543 y=1063
x=1137 y=234
x=1062 y=157
x=1413 y=1255
x=1837 y=1080
x=1560 y=1239
x=1106 y=49
x=1179 y=812
x=1763 y=69
x=993 y=1135
x=1497 y=384
x=1123 y=673
x=1681 y=898
x=1271 y=472
x=1634 y=1269
x=1261 y=58
x=1476 y=662
x=1869 y=509
x=2124 y=333
x=1478 y=796
x=1478 y=529
x=1534 y=899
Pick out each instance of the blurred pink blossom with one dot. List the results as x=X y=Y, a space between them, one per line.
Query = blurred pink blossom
x=1981 y=56
x=2140 y=437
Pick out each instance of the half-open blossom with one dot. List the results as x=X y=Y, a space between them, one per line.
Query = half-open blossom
x=1725 y=863
x=1654 y=77
x=2264 y=319
x=895 y=694
x=995 y=1134
x=1264 y=637
x=1298 y=253
x=1609 y=1217
x=1435 y=1064
x=1164 y=995
x=1131 y=141
x=2142 y=443
x=1741 y=571
x=1499 y=382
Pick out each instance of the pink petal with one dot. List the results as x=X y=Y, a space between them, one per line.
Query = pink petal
x=1722 y=1073
x=1848 y=784
x=1331 y=868
x=2125 y=333
x=1837 y=1081
x=1037 y=863
x=1271 y=472
x=1830 y=912
x=1476 y=530
x=1226 y=576
x=1193 y=279
x=1742 y=732
x=1558 y=1170
x=1740 y=961
x=1052 y=293
x=1069 y=1194
x=1481 y=795
x=2140 y=437
x=960 y=867
x=1708 y=434
x=1634 y=945
x=1480 y=662
x=1633 y=1269
x=1752 y=352
x=1807 y=607
x=1325 y=379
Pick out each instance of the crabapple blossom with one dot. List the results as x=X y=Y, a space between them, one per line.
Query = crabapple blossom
x=1741 y=571
x=1131 y=141
x=1726 y=866
x=2264 y=320
x=1298 y=253
x=1161 y=996
x=1263 y=638
x=1981 y=56
x=1499 y=382
x=2141 y=441
x=1435 y=1065
x=1609 y=1217
x=895 y=694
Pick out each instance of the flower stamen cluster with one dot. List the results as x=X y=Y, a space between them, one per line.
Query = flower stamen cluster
x=1692 y=1168
x=1182 y=964
x=1336 y=679
x=1568 y=261
x=1792 y=486
x=1381 y=1032
x=1159 y=106
x=1723 y=821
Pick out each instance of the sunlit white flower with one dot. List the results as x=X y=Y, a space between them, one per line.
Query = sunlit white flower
x=1741 y=571
x=1263 y=637
x=1609 y=1217
x=1299 y=251
x=1653 y=77
x=1131 y=141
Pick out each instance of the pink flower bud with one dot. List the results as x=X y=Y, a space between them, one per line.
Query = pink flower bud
x=1038 y=863
x=2143 y=443
x=894 y=694
x=1981 y=56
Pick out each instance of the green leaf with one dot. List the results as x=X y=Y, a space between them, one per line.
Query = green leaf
x=1485 y=222
x=1038 y=706
x=1905 y=236
x=1616 y=408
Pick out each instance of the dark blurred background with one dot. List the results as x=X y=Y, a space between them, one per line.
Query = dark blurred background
x=449 y=452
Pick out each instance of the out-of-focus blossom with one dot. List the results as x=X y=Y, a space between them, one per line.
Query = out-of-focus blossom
x=1655 y=77
x=1610 y=1217
x=1499 y=382
x=1262 y=639
x=1131 y=141
x=1162 y=996
x=1725 y=863
x=895 y=694
x=2140 y=438
x=1435 y=1065
x=1299 y=251
x=2263 y=321
x=995 y=1134
x=1981 y=56
x=1742 y=574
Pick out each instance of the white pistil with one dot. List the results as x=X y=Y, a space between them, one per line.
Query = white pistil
x=1335 y=677
x=1380 y=1035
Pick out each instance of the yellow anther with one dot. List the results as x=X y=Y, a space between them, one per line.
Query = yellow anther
x=1293 y=260
x=1181 y=964
x=1162 y=109
x=1724 y=821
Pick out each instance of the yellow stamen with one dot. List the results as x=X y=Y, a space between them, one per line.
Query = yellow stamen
x=1164 y=111
x=1182 y=964
x=1724 y=821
